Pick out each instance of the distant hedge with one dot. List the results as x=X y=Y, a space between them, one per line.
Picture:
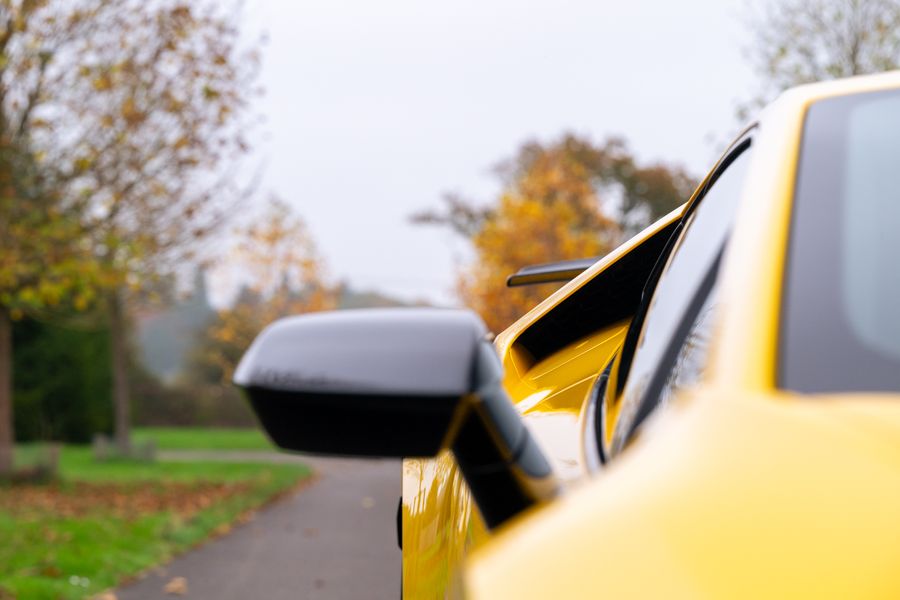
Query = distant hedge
x=187 y=403
x=61 y=382
x=62 y=389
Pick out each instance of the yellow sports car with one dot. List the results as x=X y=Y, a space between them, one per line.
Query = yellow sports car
x=711 y=410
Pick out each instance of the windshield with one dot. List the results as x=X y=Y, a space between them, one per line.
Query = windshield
x=841 y=329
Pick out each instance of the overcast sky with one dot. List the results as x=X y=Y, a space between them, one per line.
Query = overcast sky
x=374 y=108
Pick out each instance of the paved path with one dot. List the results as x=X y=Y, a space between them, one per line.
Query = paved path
x=335 y=539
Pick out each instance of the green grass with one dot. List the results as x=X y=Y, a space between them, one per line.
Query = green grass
x=77 y=463
x=49 y=556
x=195 y=438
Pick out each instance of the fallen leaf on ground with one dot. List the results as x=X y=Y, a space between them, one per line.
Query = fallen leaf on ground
x=176 y=587
x=51 y=571
x=78 y=499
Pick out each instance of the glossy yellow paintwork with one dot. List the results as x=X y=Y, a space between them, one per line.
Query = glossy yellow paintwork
x=506 y=340
x=552 y=395
x=439 y=524
x=755 y=263
x=693 y=512
x=440 y=527
x=736 y=489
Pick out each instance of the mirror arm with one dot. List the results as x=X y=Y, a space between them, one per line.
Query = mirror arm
x=501 y=462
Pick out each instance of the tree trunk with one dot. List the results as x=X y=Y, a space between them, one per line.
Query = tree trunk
x=6 y=395
x=118 y=347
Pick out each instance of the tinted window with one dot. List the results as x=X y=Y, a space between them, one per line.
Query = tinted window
x=690 y=362
x=841 y=319
x=679 y=296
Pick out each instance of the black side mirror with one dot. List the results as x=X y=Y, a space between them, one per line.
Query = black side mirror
x=397 y=383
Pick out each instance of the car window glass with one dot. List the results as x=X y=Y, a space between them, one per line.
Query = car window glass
x=680 y=285
x=690 y=362
x=871 y=282
x=840 y=329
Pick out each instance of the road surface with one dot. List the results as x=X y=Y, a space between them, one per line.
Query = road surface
x=334 y=539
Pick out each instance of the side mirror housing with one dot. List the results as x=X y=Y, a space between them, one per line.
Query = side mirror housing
x=362 y=383
x=397 y=383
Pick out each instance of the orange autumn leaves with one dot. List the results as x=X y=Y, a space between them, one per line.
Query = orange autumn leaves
x=567 y=199
x=526 y=231
x=282 y=274
x=120 y=500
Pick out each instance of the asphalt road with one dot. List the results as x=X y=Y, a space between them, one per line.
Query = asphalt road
x=334 y=539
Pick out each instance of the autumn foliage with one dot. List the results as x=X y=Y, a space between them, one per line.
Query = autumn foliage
x=552 y=213
x=564 y=200
x=282 y=275
x=120 y=124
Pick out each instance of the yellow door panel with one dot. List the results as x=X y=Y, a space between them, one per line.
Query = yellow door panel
x=726 y=496
x=439 y=526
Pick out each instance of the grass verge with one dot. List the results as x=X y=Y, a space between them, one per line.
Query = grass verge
x=197 y=438
x=56 y=545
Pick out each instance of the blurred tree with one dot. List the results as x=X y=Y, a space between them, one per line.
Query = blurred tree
x=526 y=231
x=43 y=264
x=802 y=41
x=632 y=194
x=130 y=114
x=564 y=200
x=160 y=111
x=645 y=192
x=283 y=276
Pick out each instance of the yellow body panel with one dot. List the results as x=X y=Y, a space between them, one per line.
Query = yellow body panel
x=697 y=511
x=754 y=263
x=439 y=527
x=736 y=489
x=439 y=524
x=508 y=337
x=552 y=396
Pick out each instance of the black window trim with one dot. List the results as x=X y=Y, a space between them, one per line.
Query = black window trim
x=648 y=400
x=596 y=419
x=629 y=346
x=651 y=396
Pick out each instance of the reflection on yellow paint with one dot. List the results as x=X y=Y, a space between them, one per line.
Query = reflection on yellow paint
x=437 y=527
x=560 y=439
x=440 y=527
x=533 y=400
